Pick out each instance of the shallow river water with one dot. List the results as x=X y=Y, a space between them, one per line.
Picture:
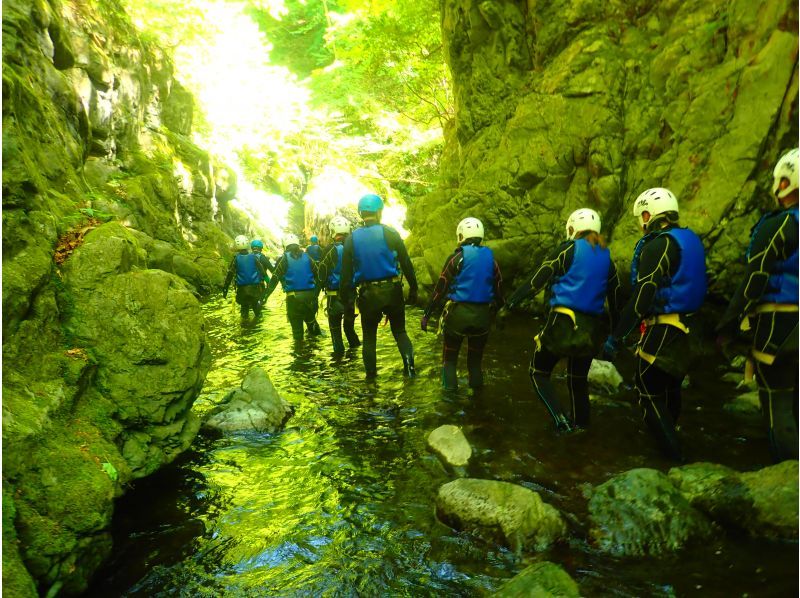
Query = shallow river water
x=341 y=502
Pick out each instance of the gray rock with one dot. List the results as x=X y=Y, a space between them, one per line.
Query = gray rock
x=603 y=377
x=640 y=512
x=449 y=443
x=500 y=512
x=255 y=406
x=540 y=580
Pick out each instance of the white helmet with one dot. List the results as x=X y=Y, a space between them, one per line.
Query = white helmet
x=289 y=240
x=339 y=225
x=655 y=201
x=786 y=168
x=242 y=242
x=582 y=220
x=468 y=229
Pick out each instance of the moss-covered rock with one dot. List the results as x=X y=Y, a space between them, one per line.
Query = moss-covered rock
x=540 y=580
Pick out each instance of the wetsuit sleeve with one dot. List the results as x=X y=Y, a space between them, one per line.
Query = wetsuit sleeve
x=230 y=275
x=395 y=243
x=346 y=284
x=327 y=263
x=451 y=268
x=613 y=294
x=556 y=264
x=658 y=260
x=498 y=287
x=279 y=273
x=774 y=240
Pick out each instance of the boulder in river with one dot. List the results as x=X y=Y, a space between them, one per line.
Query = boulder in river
x=640 y=512
x=543 y=580
x=603 y=377
x=255 y=406
x=500 y=512
x=449 y=443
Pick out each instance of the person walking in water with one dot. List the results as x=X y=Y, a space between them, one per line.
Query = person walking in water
x=313 y=250
x=249 y=275
x=581 y=278
x=471 y=283
x=668 y=275
x=340 y=315
x=370 y=264
x=257 y=247
x=767 y=302
x=296 y=273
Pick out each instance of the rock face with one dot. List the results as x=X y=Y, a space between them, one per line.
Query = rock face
x=103 y=339
x=255 y=406
x=640 y=513
x=540 y=580
x=500 y=512
x=568 y=104
x=450 y=444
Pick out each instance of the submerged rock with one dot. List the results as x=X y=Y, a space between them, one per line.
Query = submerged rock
x=746 y=403
x=539 y=580
x=449 y=443
x=603 y=377
x=255 y=406
x=640 y=512
x=774 y=491
x=500 y=512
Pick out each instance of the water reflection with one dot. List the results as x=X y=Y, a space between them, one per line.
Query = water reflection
x=341 y=502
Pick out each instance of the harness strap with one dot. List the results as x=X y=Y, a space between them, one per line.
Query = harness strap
x=560 y=309
x=669 y=320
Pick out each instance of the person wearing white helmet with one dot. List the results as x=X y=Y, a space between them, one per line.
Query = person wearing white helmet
x=469 y=287
x=581 y=278
x=668 y=276
x=373 y=259
x=297 y=273
x=340 y=315
x=767 y=302
x=249 y=275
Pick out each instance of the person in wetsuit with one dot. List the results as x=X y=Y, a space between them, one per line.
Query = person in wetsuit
x=313 y=250
x=471 y=283
x=668 y=275
x=296 y=273
x=249 y=275
x=257 y=248
x=340 y=315
x=581 y=278
x=767 y=302
x=370 y=264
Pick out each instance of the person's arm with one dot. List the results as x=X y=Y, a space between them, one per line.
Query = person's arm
x=229 y=277
x=396 y=244
x=346 y=290
x=556 y=264
x=451 y=268
x=774 y=240
x=655 y=262
x=327 y=263
x=279 y=273
x=499 y=302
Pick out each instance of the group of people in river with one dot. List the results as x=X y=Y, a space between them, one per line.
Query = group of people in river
x=365 y=268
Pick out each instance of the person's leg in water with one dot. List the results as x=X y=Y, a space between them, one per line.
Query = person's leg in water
x=295 y=316
x=475 y=346
x=450 y=349
x=541 y=367
x=369 y=335
x=335 y=313
x=654 y=386
x=349 y=325
x=777 y=392
x=578 y=385
x=396 y=311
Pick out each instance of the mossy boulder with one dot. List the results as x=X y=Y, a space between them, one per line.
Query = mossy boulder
x=540 y=580
x=500 y=512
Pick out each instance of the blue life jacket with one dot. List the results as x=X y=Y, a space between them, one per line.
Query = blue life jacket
x=474 y=283
x=299 y=275
x=314 y=252
x=335 y=277
x=246 y=270
x=782 y=285
x=583 y=287
x=686 y=290
x=373 y=260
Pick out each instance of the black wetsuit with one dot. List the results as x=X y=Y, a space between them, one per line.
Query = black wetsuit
x=377 y=298
x=664 y=351
x=579 y=340
x=774 y=352
x=301 y=306
x=463 y=319
x=340 y=315
x=248 y=296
